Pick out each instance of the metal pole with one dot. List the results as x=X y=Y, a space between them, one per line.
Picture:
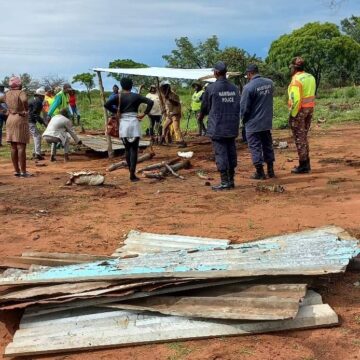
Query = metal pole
x=102 y=96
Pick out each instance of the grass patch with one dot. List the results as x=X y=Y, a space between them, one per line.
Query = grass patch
x=180 y=351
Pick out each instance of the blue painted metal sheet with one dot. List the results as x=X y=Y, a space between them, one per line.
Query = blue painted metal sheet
x=307 y=253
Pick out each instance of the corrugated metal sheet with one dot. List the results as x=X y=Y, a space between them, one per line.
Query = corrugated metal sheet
x=101 y=328
x=138 y=242
x=99 y=143
x=308 y=253
x=236 y=301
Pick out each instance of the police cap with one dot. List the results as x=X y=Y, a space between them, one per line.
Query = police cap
x=220 y=66
x=252 y=68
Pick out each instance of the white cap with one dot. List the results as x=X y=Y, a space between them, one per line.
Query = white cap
x=164 y=82
x=40 y=91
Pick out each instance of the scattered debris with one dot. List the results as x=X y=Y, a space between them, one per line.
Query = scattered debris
x=202 y=175
x=321 y=120
x=335 y=181
x=164 y=171
x=270 y=188
x=186 y=155
x=123 y=164
x=283 y=145
x=86 y=177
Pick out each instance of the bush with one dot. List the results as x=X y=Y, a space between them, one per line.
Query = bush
x=350 y=92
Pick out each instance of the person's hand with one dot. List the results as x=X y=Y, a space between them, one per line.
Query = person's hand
x=140 y=116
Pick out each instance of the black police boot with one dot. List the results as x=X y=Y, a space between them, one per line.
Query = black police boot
x=231 y=174
x=303 y=168
x=224 y=184
x=259 y=173
x=270 y=170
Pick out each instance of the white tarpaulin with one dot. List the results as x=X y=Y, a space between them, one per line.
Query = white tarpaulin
x=171 y=73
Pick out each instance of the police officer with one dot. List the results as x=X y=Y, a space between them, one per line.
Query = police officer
x=256 y=109
x=221 y=102
x=301 y=106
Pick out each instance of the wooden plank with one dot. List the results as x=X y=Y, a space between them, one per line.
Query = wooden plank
x=43 y=310
x=64 y=256
x=72 y=288
x=235 y=301
x=122 y=328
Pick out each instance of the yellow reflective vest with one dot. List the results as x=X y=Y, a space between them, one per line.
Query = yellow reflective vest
x=301 y=92
x=196 y=100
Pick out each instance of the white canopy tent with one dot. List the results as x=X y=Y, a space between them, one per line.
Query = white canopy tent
x=159 y=72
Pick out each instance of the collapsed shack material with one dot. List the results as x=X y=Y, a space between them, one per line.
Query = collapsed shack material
x=99 y=143
x=315 y=252
x=90 y=317
x=95 y=328
x=234 y=301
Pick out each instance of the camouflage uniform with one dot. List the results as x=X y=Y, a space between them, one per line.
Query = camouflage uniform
x=300 y=126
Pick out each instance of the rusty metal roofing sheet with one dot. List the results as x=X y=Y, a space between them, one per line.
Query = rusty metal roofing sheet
x=235 y=301
x=99 y=143
x=93 y=328
x=138 y=242
x=307 y=253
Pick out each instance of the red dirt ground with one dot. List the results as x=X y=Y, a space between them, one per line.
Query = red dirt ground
x=95 y=220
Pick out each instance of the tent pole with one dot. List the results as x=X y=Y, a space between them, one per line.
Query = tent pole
x=102 y=95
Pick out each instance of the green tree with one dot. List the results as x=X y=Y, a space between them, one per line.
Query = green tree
x=322 y=46
x=87 y=80
x=351 y=26
x=188 y=55
x=130 y=64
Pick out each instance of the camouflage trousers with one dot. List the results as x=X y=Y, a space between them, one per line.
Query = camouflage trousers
x=300 y=126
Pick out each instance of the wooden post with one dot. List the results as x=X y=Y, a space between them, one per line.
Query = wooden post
x=102 y=95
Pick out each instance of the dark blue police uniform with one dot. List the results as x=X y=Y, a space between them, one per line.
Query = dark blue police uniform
x=257 y=113
x=221 y=102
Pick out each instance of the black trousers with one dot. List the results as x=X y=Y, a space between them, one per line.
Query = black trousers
x=261 y=147
x=131 y=153
x=155 y=120
x=225 y=153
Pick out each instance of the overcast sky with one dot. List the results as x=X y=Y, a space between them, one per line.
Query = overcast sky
x=43 y=37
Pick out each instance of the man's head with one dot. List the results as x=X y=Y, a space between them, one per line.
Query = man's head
x=152 y=89
x=220 y=69
x=251 y=71
x=65 y=112
x=126 y=84
x=15 y=83
x=49 y=91
x=196 y=86
x=165 y=87
x=67 y=88
x=115 y=89
x=297 y=64
x=40 y=93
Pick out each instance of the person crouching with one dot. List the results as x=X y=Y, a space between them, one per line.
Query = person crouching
x=58 y=131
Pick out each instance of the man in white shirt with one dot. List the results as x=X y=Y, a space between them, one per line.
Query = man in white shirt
x=58 y=131
x=155 y=114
